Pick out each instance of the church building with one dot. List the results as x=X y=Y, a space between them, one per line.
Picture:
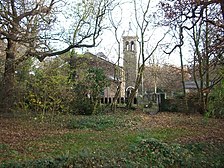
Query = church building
x=126 y=75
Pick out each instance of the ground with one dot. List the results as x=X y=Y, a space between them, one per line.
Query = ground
x=34 y=137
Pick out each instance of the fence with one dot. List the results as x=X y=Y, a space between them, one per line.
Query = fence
x=121 y=100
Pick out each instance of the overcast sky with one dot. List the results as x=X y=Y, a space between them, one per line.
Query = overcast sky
x=108 y=44
x=125 y=12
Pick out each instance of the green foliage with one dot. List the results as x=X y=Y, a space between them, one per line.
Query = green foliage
x=97 y=82
x=88 y=89
x=115 y=140
x=169 y=105
x=40 y=163
x=155 y=153
x=216 y=105
x=82 y=105
x=203 y=157
x=98 y=123
x=142 y=153
x=48 y=87
x=84 y=159
x=103 y=122
x=44 y=88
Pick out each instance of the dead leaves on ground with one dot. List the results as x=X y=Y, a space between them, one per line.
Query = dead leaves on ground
x=16 y=133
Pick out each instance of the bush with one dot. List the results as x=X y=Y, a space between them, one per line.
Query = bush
x=206 y=155
x=154 y=153
x=44 y=89
x=216 y=105
x=82 y=105
x=39 y=163
x=169 y=105
x=87 y=90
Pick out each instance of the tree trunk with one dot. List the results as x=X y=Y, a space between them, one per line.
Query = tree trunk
x=8 y=97
x=206 y=66
x=222 y=7
x=117 y=95
x=183 y=79
x=137 y=84
x=181 y=61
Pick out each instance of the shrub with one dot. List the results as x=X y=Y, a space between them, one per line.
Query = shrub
x=206 y=155
x=82 y=105
x=44 y=88
x=143 y=153
x=58 y=162
x=158 y=154
x=216 y=105
x=169 y=105
x=87 y=90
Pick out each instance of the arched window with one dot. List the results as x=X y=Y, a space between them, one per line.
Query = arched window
x=129 y=89
x=127 y=45
x=132 y=46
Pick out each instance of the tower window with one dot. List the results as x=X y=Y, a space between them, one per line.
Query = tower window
x=132 y=46
x=127 y=45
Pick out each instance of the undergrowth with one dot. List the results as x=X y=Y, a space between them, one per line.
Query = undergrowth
x=102 y=122
x=124 y=140
x=143 y=153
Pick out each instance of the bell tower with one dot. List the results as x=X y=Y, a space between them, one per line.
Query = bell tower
x=130 y=61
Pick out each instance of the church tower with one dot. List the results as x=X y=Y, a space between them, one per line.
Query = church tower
x=130 y=61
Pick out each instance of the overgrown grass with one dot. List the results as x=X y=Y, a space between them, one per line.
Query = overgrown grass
x=98 y=123
x=142 y=153
x=115 y=140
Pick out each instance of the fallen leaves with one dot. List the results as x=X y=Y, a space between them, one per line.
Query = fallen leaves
x=19 y=134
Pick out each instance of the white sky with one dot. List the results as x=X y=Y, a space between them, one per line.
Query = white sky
x=108 y=43
x=109 y=46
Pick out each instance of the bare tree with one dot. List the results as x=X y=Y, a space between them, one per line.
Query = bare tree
x=203 y=22
x=117 y=70
x=27 y=30
x=189 y=13
x=143 y=21
x=164 y=74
